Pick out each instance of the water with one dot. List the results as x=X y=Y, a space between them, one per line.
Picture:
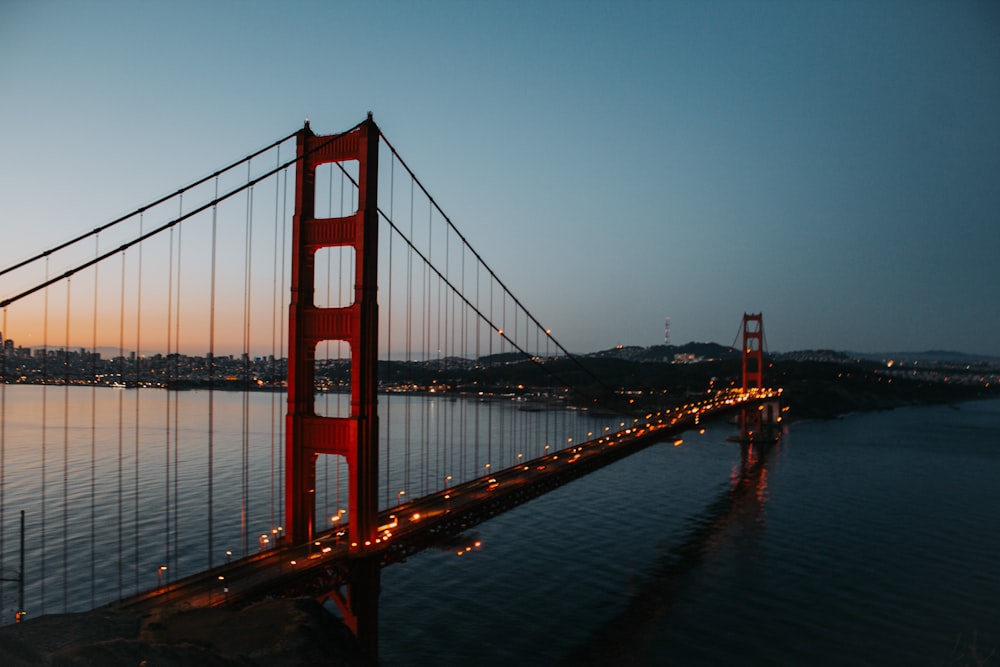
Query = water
x=868 y=540
x=117 y=484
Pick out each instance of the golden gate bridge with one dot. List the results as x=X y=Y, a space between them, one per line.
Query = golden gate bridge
x=423 y=397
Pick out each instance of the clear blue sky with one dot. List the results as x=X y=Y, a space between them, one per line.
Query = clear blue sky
x=835 y=165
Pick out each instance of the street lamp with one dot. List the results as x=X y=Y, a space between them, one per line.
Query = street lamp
x=159 y=576
x=399 y=497
x=229 y=555
x=486 y=469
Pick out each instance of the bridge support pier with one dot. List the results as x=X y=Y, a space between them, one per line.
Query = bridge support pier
x=363 y=586
x=760 y=423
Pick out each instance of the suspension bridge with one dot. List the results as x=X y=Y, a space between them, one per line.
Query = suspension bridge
x=281 y=378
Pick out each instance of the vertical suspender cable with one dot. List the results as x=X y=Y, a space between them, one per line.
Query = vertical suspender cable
x=65 y=531
x=525 y=422
x=166 y=385
x=281 y=337
x=244 y=462
x=387 y=478
x=407 y=436
x=45 y=374
x=449 y=301
x=442 y=364
x=440 y=324
x=121 y=432
x=489 y=413
x=520 y=435
x=138 y=367
x=465 y=354
x=433 y=348
x=538 y=422
x=93 y=437
x=211 y=382
x=451 y=351
x=503 y=351
x=347 y=298
x=274 y=323
x=548 y=413
x=514 y=414
x=172 y=562
x=479 y=340
x=342 y=299
x=428 y=303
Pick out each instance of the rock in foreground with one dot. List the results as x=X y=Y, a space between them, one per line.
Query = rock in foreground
x=272 y=632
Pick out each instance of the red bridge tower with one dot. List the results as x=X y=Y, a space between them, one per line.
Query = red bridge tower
x=753 y=351
x=309 y=435
x=355 y=437
x=758 y=424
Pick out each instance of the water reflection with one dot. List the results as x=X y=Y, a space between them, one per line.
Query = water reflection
x=735 y=520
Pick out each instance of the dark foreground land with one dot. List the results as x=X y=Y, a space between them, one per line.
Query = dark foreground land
x=272 y=632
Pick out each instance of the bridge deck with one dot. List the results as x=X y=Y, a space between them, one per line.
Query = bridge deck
x=321 y=565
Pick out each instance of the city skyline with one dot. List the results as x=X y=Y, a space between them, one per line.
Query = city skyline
x=832 y=166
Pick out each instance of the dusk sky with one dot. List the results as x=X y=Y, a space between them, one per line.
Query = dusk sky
x=834 y=165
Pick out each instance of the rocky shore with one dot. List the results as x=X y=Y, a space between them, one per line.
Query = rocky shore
x=274 y=633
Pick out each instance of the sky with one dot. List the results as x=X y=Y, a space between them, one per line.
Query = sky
x=833 y=165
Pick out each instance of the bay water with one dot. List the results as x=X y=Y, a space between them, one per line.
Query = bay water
x=871 y=539
x=868 y=540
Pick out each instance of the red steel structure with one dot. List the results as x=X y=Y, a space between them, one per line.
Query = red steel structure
x=753 y=423
x=753 y=351
x=355 y=437
x=308 y=435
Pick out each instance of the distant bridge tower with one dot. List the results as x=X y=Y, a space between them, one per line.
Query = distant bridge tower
x=666 y=331
x=759 y=423
x=355 y=437
x=753 y=351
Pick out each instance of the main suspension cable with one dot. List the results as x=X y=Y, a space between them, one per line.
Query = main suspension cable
x=168 y=225
x=566 y=352
x=140 y=210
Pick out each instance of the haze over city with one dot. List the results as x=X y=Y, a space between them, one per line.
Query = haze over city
x=832 y=165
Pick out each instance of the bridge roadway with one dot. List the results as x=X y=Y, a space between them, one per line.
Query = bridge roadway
x=436 y=519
